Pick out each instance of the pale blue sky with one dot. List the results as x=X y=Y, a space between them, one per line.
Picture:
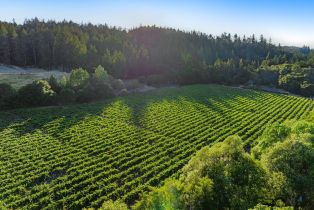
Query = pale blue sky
x=290 y=22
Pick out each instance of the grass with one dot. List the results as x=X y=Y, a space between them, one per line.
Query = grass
x=18 y=80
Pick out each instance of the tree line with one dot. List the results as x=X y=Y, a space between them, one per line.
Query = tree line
x=157 y=55
x=140 y=51
x=80 y=86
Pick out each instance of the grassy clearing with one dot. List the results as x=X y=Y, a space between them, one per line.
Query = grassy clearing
x=18 y=77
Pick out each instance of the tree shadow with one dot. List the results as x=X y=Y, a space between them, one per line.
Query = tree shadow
x=27 y=121
x=131 y=109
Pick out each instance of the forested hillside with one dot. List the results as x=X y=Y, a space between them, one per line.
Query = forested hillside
x=147 y=49
x=157 y=55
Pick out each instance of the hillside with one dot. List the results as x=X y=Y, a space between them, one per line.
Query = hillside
x=81 y=155
x=155 y=55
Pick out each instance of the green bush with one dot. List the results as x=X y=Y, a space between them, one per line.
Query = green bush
x=7 y=93
x=55 y=86
x=95 y=90
x=78 y=78
x=286 y=151
x=113 y=205
x=293 y=161
x=123 y=92
x=66 y=96
x=132 y=84
x=38 y=93
x=157 y=79
x=64 y=82
x=307 y=89
x=101 y=74
x=219 y=177
x=118 y=84
x=271 y=135
x=265 y=207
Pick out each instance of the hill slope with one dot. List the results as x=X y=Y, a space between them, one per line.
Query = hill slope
x=82 y=155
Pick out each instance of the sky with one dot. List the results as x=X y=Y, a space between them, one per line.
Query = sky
x=289 y=22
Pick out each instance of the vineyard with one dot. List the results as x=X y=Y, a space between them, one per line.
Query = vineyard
x=82 y=155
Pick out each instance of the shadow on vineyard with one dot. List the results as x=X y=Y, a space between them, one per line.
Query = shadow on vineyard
x=81 y=155
x=129 y=109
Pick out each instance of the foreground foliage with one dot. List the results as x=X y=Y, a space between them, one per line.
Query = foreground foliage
x=219 y=177
x=81 y=156
x=225 y=177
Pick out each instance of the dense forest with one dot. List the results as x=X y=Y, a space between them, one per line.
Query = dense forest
x=141 y=51
x=151 y=54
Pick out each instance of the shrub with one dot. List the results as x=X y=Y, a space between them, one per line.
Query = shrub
x=238 y=181
x=219 y=177
x=66 y=96
x=166 y=197
x=113 y=205
x=64 y=81
x=117 y=84
x=95 y=90
x=158 y=79
x=293 y=161
x=54 y=84
x=264 y=207
x=302 y=127
x=101 y=74
x=7 y=94
x=38 y=93
x=78 y=78
x=307 y=89
x=132 y=84
x=123 y=92
x=271 y=135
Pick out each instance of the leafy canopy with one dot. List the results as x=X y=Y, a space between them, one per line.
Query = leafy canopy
x=78 y=78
